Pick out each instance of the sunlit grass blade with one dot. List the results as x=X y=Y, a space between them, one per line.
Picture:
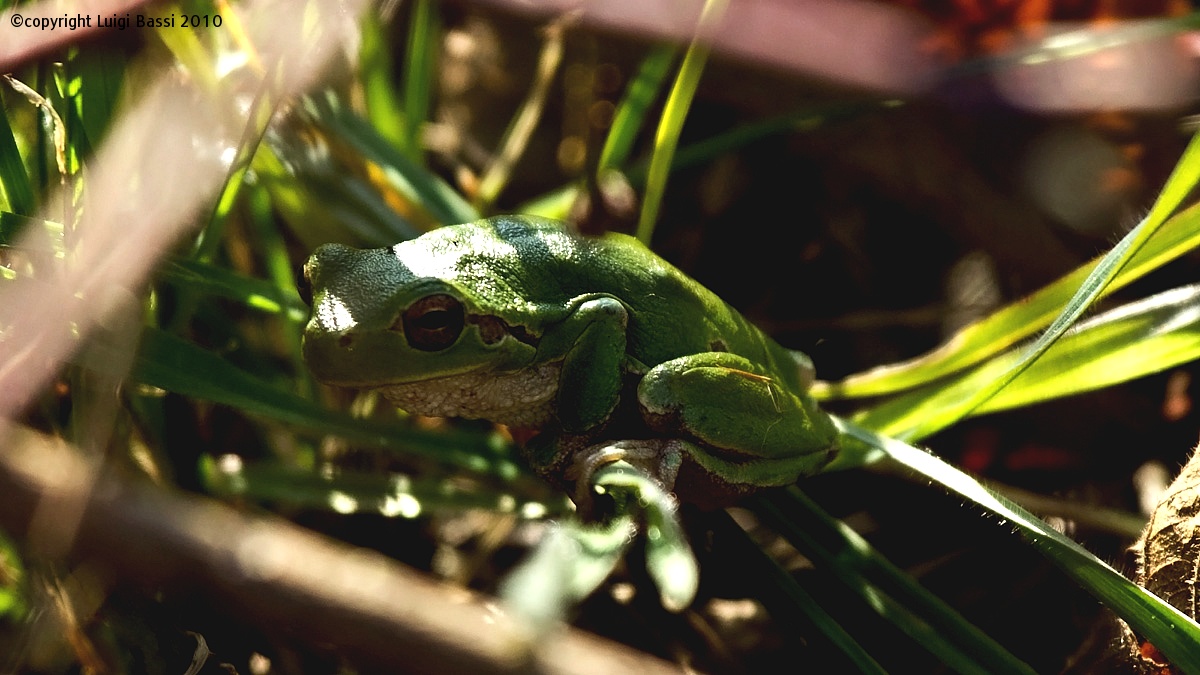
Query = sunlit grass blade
x=253 y=293
x=1181 y=182
x=787 y=599
x=323 y=201
x=420 y=187
x=96 y=81
x=630 y=114
x=14 y=180
x=12 y=224
x=1173 y=633
x=348 y=491
x=258 y=117
x=383 y=105
x=420 y=63
x=881 y=585
x=173 y=364
x=673 y=116
x=1131 y=341
x=1021 y=319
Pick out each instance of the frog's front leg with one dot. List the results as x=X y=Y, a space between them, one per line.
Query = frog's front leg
x=747 y=428
x=590 y=346
x=591 y=341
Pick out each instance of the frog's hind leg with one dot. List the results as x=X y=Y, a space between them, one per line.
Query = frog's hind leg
x=751 y=428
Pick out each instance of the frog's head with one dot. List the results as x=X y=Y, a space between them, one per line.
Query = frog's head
x=413 y=312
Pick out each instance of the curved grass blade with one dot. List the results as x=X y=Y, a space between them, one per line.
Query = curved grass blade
x=171 y=363
x=1089 y=41
x=787 y=596
x=1181 y=182
x=14 y=181
x=12 y=225
x=567 y=565
x=253 y=293
x=671 y=124
x=1021 y=319
x=1130 y=341
x=258 y=117
x=893 y=594
x=414 y=182
x=322 y=200
x=1172 y=632
x=344 y=491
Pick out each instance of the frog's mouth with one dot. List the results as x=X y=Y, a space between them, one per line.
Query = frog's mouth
x=493 y=329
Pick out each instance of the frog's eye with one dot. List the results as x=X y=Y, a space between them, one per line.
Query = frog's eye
x=433 y=323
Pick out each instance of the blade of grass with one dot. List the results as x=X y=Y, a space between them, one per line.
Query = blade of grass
x=324 y=201
x=1131 y=341
x=631 y=112
x=52 y=141
x=383 y=106
x=14 y=181
x=258 y=118
x=256 y=294
x=1172 y=632
x=415 y=183
x=1181 y=182
x=420 y=65
x=520 y=129
x=1017 y=320
x=173 y=364
x=12 y=225
x=671 y=124
x=348 y=491
x=96 y=80
x=784 y=596
x=893 y=594
x=628 y=120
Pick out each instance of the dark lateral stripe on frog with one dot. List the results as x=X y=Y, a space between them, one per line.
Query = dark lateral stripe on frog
x=493 y=329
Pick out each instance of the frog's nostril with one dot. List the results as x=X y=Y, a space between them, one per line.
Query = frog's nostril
x=345 y=341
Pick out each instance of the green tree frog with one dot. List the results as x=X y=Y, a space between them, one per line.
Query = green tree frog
x=597 y=343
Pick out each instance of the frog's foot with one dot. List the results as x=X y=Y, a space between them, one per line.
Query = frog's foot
x=669 y=558
x=580 y=554
x=658 y=459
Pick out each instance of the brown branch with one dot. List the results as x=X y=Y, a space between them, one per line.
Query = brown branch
x=293 y=581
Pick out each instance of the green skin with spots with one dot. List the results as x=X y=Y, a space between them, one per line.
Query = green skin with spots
x=587 y=340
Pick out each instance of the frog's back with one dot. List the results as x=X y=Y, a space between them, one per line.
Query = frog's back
x=672 y=315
